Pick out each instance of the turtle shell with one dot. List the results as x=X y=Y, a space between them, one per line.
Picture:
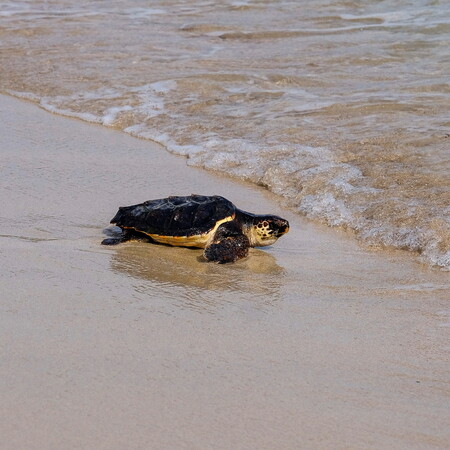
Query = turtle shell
x=182 y=221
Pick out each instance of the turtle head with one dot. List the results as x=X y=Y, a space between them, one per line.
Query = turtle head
x=267 y=229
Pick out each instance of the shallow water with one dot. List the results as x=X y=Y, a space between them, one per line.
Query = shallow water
x=341 y=108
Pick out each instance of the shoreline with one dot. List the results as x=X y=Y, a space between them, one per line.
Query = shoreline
x=315 y=342
x=416 y=255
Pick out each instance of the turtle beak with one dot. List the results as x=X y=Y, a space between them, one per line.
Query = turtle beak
x=283 y=228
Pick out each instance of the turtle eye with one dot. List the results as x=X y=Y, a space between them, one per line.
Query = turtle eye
x=265 y=224
x=260 y=225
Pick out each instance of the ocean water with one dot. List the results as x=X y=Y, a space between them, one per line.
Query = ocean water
x=340 y=107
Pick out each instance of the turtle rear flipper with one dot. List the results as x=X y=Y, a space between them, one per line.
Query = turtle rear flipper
x=228 y=245
x=118 y=239
x=112 y=241
x=123 y=236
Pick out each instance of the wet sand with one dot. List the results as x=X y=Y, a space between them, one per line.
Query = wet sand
x=315 y=342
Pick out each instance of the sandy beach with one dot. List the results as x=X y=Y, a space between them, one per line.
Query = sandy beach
x=314 y=343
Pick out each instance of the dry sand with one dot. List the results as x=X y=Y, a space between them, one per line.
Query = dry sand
x=313 y=343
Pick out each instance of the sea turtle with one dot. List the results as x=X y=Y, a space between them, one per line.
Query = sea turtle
x=210 y=222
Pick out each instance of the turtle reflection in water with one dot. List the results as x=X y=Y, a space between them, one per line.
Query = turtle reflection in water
x=211 y=222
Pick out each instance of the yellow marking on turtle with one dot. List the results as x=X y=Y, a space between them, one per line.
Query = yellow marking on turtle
x=197 y=240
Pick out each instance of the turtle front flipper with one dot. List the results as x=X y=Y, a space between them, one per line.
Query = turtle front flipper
x=229 y=249
x=228 y=245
